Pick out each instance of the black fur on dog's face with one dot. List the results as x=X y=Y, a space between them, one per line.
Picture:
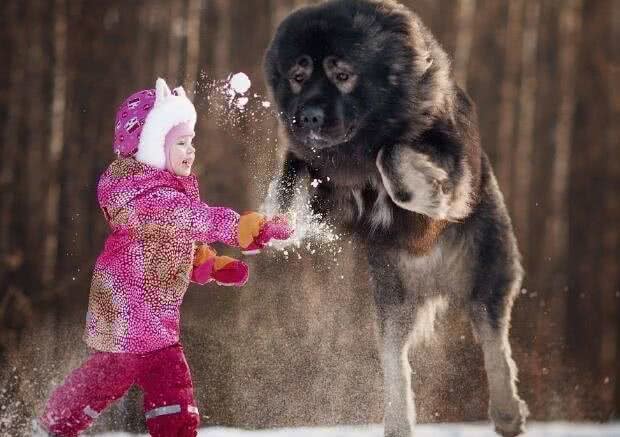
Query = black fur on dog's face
x=362 y=73
x=344 y=72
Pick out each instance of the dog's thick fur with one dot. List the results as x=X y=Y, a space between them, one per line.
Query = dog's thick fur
x=370 y=107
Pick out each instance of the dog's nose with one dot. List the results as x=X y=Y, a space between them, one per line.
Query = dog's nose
x=312 y=117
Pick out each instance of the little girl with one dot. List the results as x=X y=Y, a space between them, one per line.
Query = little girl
x=160 y=229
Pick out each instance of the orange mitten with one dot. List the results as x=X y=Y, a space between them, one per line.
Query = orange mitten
x=250 y=226
x=255 y=231
x=203 y=253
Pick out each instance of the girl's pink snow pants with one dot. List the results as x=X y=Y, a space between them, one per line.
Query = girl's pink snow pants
x=163 y=375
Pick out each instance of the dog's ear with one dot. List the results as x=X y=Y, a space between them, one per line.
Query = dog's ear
x=424 y=47
x=423 y=63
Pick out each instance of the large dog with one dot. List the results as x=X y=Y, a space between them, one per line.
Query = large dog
x=370 y=107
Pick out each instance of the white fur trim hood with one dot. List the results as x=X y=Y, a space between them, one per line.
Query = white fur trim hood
x=171 y=108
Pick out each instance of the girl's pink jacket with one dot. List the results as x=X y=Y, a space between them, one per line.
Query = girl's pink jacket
x=144 y=270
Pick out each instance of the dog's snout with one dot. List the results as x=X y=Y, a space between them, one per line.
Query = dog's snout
x=312 y=117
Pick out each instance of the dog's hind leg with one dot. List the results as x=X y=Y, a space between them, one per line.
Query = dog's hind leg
x=506 y=409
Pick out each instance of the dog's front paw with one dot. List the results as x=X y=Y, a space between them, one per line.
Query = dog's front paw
x=510 y=421
x=414 y=182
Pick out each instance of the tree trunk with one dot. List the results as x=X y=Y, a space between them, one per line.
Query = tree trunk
x=464 y=37
x=614 y=163
x=56 y=139
x=522 y=153
x=509 y=93
x=587 y=216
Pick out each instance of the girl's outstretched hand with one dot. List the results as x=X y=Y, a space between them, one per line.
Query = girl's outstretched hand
x=255 y=231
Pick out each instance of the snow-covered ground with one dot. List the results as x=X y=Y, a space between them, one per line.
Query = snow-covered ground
x=449 y=430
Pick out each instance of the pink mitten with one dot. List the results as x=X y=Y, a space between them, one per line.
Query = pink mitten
x=224 y=270
x=276 y=228
x=229 y=271
x=202 y=273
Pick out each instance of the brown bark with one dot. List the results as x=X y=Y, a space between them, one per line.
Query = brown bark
x=523 y=150
x=178 y=32
x=222 y=58
x=609 y=278
x=555 y=244
x=12 y=256
x=509 y=93
x=192 y=73
x=589 y=290
x=464 y=37
x=614 y=163
x=56 y=138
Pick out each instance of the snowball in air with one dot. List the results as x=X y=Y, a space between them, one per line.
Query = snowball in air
x=241 y=102
x=240 y=83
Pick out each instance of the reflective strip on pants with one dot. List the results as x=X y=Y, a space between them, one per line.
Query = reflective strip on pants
x=90 y=412
x=168 y=409
x=162 y=411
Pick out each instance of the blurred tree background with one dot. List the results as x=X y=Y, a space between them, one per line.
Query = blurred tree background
x=296 y=345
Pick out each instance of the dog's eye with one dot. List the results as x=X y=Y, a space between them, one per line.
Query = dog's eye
x=342 y=77
x=299 y=77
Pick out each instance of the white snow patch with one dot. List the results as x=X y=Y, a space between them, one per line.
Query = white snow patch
x=241 y=102
x=555 y=429
x=311 y=229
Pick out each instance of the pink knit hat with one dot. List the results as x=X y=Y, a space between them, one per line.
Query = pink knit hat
x=145 y=118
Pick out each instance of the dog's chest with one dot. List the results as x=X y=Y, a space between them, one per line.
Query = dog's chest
x=363 y=203
x=446 y=269
x=352 y=194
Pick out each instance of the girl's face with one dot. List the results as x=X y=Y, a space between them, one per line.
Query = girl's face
x=181 y=156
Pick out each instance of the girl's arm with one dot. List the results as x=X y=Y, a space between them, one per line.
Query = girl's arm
x=250 y=231
x=169 y=207
x=214 y=224
x=210 y=224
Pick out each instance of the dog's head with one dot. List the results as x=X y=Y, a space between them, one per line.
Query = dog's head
x=352 y=71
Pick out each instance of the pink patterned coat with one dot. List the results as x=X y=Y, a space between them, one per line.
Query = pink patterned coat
x=144 y=270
